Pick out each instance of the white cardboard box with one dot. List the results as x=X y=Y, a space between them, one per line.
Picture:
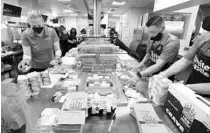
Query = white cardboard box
x=189 y=112
x=147 y=119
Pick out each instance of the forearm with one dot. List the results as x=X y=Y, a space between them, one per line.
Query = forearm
x=200 y=88
x=146 y=58
x=26 y=57
x=26 y=52
x=177 y=67
x=150 y=70
x=58 y=53
x=71 y=42
x=57 y=49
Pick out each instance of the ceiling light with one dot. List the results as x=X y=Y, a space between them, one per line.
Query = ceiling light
x=73 y=15
x=54 y=15
x=67 y=11
x=48 y=14
x=118 y=3
x=64 y=0
x=116 y=15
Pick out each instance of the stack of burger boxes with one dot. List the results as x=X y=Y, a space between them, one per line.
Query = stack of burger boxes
x=189 y=112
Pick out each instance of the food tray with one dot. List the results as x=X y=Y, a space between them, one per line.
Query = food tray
x=97 y=80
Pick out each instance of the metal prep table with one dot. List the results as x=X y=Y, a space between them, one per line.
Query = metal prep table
x=125 y=123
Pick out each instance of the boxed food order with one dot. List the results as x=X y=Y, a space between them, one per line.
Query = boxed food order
x=189 y=112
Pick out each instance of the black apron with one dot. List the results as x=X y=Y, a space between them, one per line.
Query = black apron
x=155 y=53
x=201 y=66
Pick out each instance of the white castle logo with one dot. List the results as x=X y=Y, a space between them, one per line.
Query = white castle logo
x=201 y=67
x=189 y=112
x=149 y=120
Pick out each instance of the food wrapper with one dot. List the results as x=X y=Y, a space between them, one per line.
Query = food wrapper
x=158 y=89
x=22 y=79
x=14 y=109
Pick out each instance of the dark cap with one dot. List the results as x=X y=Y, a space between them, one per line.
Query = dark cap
x=206 y=23
x=155 y=20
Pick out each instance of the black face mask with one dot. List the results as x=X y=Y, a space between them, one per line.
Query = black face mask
x=38 y=30
x=73 y=33
x=206 y=24
x=157 y=37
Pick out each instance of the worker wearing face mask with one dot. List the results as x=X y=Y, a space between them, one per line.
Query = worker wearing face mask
x=40 y=45
x=199 y=57
x=162 y=49
x=73 y=38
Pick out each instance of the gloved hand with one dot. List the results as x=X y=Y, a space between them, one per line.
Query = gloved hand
x=74 y=41
x=56 y=61
x=57 y=96
x=142 y=86
x=133 y=81
x=139 y=67
x=24 y=65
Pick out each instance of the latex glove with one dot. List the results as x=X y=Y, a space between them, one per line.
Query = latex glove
x=74 y=41
x=133 y=81
x=57 y=96
x=24 y=65
x=142 y=86
x=139 y=67
x=56 y=61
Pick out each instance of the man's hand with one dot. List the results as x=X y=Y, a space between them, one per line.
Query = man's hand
x=133 y=81
x=142 y=86
x=56 y=61
x=24 y=65
x=59 y=60
x=74 y=41
x=139 y=67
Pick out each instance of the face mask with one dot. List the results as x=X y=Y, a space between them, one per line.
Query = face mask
x=206 y=24
x=38 y=30
x=157 y=37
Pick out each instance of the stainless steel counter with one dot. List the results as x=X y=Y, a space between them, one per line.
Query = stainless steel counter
x=125 y=123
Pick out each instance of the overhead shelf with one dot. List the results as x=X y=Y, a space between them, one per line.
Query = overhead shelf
x=17 y=26
x=7 y=69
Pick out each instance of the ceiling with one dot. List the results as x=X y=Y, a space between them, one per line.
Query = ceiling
x=134 y=3
x=81 y=7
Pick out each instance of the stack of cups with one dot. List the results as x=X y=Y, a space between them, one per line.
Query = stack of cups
x=34 y=83
x=45 y=77
x=23 y=83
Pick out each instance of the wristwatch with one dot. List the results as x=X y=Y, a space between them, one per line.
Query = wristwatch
x=139 y=74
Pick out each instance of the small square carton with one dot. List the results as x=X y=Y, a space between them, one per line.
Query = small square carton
x=147 y=119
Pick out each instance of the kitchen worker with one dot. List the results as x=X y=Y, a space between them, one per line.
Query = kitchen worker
x=116 y=41
x=162 y=49
x=40 y=45
x=138 y=45
x=199 y=57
